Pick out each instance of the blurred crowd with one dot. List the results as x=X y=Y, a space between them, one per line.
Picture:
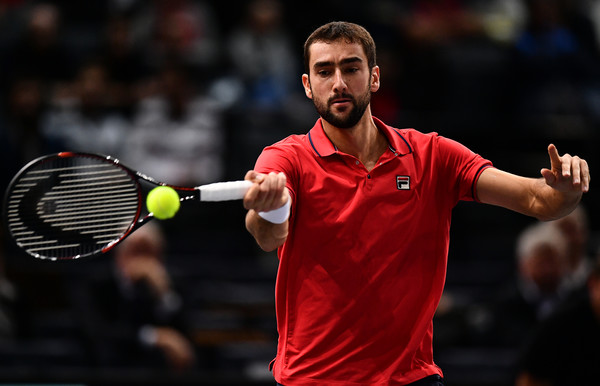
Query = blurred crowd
x=190 y=91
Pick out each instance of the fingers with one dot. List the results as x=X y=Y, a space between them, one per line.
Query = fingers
x=559 y=164
x=586 y=176
x=567 y=172
x=554 y=156
x=575 y=170
x=268 y=192
x=581 y=173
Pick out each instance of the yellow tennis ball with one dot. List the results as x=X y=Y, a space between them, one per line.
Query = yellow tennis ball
x=163 y=202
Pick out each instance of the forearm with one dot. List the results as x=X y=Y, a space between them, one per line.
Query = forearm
x=269 y=236
x=529 y=196
x=548 y=198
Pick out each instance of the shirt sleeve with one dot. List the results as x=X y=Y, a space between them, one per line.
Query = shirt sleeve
x=463 y=166
x=279 y=158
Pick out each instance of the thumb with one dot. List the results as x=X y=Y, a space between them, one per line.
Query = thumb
x=548 y=176
x=254 y=176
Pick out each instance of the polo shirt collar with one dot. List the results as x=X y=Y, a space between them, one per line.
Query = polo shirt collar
x=323 y=147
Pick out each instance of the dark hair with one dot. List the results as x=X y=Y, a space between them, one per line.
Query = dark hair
x=341 y=30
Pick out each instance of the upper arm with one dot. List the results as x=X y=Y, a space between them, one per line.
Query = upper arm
x=280 y=158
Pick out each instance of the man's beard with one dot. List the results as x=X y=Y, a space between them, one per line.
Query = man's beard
x=359 y=106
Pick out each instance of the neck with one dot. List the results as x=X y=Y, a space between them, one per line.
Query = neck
x=363 y=141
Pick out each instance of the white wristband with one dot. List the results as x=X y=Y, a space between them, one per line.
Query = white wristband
x=279 y=215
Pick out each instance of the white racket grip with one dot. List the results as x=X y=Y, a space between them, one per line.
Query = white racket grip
x=224 y=191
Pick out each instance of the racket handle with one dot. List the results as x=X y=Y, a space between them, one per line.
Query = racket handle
x=224 y=191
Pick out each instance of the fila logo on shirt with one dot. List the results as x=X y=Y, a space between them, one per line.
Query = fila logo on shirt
x=403 y=182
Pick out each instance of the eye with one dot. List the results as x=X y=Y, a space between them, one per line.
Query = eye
x=324 y=73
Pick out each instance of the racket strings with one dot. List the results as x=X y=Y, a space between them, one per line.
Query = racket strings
x=69 y=207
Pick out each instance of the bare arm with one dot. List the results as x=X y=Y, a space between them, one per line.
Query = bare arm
x=554 y=195
x=268 y=193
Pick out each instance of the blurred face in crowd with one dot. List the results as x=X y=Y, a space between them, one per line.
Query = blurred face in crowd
x=93 y=86
x=43 y=25
x=143 y=247
x=340 y=81
x=265 y=15
x=545 y=267
x=26 y=98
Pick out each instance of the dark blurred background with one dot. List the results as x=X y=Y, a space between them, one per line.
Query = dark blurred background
x=189 y=92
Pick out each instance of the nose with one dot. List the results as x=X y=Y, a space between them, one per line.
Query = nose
x=339 y=85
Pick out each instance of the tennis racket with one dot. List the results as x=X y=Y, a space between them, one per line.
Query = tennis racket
x=72 y=205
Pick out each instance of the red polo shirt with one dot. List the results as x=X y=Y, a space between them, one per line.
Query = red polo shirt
x=363 y=268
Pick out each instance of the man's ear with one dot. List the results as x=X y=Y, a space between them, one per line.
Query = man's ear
x=375 y=79
x=306 y=84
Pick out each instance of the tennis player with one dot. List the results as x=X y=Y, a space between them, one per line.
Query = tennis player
x=360 y=213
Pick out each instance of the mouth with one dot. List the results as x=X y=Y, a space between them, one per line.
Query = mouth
x=340 y=101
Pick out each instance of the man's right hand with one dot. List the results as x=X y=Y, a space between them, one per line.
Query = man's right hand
x=268 y=192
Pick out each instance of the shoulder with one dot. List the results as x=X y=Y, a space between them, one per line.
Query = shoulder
x=283 y=155
x=421 y=142
x=416 y=137
x=406 y=140
x=292 y=144
x=291 y=140
x=415 y=134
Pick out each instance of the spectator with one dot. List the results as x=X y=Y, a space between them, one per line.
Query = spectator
x=178 y=31
x=537 y=291
x=261 y=53
x=564 y=350
x=84 y=119
x=21 y=139
x=264 y=64
x=39 y=51
x=429 y=29
x=123 y=61
x=135 y=316
x=439 y=22
x=555 y=65
x=177 y=134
